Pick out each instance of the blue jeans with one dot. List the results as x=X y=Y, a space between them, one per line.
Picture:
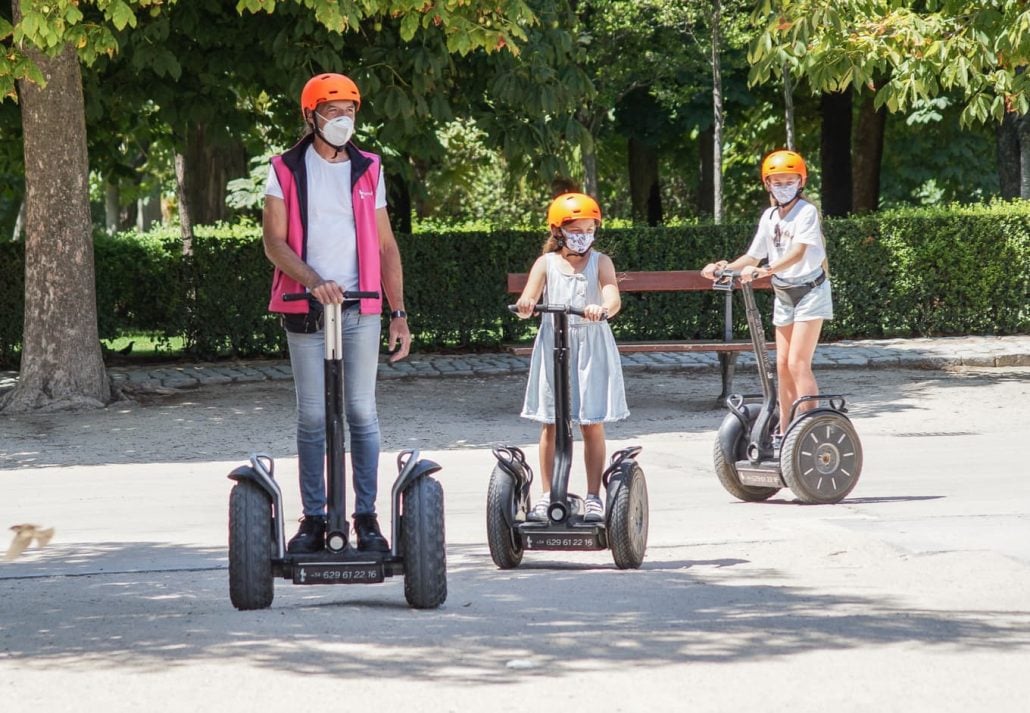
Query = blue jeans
x=360 y=365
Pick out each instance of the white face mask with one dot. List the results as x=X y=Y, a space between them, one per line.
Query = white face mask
x=577 y=242
x=785 y=193
x=338 y=131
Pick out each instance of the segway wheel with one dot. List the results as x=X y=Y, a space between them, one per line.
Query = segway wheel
x=726 y=456
x=821 y=458
x=251 y=584
x=422 y=537
x=505 y=546
x=627 y=521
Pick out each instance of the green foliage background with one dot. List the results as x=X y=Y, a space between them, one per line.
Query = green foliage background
x=913 y=272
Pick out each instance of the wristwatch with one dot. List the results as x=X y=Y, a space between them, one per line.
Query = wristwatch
x=398 y=314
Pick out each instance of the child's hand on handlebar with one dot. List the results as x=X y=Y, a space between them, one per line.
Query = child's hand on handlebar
x=525 y=307
x=710 y=268
x=749 y=273
x=594 y=313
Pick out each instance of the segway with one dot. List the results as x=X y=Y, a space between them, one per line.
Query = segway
x=820 y=458
x=257 y=541
x=510 y=532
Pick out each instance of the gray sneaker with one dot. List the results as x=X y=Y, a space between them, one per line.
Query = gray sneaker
x=594 y=509
x=539 y=511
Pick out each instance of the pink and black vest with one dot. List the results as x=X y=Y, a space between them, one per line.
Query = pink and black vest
x=292 y=174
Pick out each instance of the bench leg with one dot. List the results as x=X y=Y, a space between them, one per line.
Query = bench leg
x=727 y=365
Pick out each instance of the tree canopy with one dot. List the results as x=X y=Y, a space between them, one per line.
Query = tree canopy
x=903 y=51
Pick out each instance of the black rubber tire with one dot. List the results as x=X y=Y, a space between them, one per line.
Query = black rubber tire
x=251 y=583
x=505 y=545
x=821 y=458
x=422 y=536
x=628 y=520
x=726 y=464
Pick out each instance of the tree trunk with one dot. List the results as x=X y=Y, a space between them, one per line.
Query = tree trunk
x=717 y=114
x=1007 y=143
x=19 y=222
x=868 y=148
x=1024 y=157
x=148 y=210
x=112 y=207
x=589 y=152
x=788 y=107
x=209 y=166
x=61 y=363
x=836 y=152
x=590 y=171
x=643 y=183
x=182 y=193
x=705 y=189
x=399 y=199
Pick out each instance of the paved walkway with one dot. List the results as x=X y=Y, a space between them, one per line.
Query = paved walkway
x=870 y=353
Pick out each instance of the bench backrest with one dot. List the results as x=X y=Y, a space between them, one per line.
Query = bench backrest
x=658 y=281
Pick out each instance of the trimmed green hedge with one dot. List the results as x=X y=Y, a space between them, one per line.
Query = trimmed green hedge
x=919 y=272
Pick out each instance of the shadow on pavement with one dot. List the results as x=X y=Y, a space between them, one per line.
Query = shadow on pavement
x=547 y=618
x=229 y=422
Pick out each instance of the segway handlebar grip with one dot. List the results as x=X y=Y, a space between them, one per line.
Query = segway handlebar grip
x=553 y=308
x=724 y=280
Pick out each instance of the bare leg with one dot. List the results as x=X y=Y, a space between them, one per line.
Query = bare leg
x=546 y=455
x=593 y=455
x=796 y=373
x=785 y=392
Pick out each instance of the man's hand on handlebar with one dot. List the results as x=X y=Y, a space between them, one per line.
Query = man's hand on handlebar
x=327 y=292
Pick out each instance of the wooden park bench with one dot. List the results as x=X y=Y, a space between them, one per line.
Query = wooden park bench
x=727 y=347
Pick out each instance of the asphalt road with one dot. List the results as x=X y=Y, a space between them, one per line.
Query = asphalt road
x=912 y=595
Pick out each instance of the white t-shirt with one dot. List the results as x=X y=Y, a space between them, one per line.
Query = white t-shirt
x=332 y=239
x=776 y=235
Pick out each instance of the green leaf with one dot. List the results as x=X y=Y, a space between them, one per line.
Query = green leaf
x=121 y=15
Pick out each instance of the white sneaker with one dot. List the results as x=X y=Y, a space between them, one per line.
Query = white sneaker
x=594 y=509
x=539 y=511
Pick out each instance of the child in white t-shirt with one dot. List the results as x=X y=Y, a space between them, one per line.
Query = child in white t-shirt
x=790 y=238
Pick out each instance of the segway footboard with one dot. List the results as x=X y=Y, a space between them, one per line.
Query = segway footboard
x=744 y=480
x=586 y=536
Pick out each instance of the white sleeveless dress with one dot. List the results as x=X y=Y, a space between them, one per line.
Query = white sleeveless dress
x=595 y=369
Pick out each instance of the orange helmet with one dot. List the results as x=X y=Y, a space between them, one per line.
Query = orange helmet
x=327 y=88
x=572 y=206
x=784 y=161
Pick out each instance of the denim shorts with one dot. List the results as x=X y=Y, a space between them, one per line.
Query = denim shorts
x=817 y=304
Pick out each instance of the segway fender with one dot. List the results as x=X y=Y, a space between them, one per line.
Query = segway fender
x=410 y=468
x=618 y=474
x=261 y=471
x=615 y=481
x=730 y=432
x=810 y=414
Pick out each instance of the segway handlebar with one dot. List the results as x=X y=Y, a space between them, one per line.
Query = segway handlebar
x=542 y=307
x=724 y=279
x=347 y=295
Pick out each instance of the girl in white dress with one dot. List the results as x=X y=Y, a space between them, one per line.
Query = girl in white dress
x=570 y=272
